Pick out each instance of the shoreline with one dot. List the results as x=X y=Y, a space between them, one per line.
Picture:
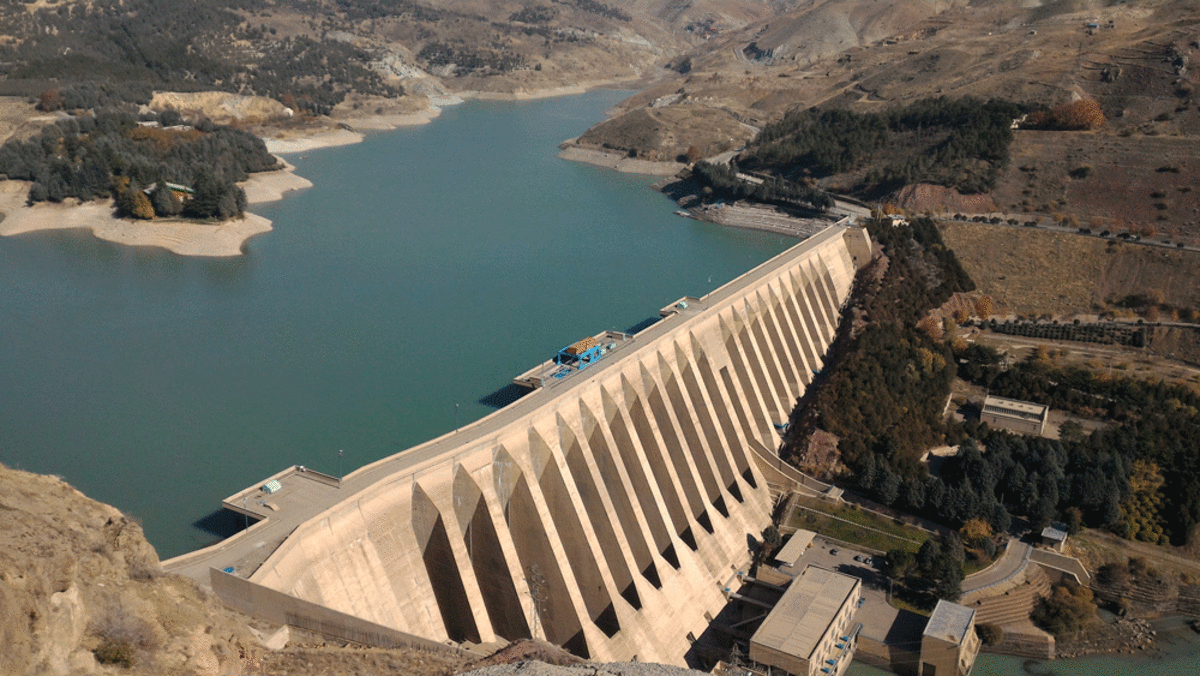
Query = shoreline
x=271 y=186
x=229 y=238
x=617 y=162
x=350 y=131
x=281 y=142
x=182 y=237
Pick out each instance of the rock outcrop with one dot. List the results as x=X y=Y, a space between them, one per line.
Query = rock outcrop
x=80 y=588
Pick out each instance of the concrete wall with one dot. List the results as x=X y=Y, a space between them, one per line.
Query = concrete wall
x=603 y=514
x=277 y=607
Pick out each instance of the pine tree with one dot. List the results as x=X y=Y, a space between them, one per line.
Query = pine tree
x=164 y=201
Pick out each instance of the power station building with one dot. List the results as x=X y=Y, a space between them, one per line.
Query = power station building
x=811 y=631
x=1019 y=416
x=949 y=644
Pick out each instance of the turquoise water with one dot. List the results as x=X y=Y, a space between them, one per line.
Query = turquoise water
x=425 y=269
x=1177 y=654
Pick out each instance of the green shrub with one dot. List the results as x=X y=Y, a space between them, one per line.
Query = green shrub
x=120 y=653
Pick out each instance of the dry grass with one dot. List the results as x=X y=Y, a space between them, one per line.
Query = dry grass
x=1035 y=271
x=1028 y=270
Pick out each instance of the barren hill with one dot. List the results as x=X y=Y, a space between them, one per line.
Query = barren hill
x=81 y=592
x=1135 y=59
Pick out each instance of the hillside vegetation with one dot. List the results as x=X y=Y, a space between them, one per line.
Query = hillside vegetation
x=90 y=156
x=1115 y=81
x=961 y=144
x=889 y=377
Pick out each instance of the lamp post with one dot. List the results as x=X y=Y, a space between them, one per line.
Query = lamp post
x=456 y=417
x=340 y=475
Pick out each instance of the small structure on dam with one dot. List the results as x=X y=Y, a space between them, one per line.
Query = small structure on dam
x=604 y=512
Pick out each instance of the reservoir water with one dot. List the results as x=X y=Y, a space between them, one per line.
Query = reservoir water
x=425 y=269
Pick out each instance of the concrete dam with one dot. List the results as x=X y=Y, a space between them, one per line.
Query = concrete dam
x=606 y=511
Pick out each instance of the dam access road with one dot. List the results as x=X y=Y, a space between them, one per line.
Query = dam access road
x=605 y=512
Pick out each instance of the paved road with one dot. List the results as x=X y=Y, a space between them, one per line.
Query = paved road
x=1094 y=231
x=1015 y=557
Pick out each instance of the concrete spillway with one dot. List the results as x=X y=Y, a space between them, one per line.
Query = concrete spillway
x=603 y=512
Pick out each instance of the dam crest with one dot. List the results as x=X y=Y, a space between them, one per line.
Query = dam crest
x=606 y=511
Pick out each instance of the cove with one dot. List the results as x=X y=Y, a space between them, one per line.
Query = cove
x=425 y=268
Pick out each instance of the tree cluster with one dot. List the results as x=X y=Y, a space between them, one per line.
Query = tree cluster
x=92 y=156
x=535 y=14
x=934 y=572
x=1139 y=476
x=1069 y=608
x=469 y=61
x=958 y=143
x=885 y=387
x=1075 y=116
x=724 y=183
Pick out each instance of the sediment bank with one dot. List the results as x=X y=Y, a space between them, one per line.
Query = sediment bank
x=616 y=161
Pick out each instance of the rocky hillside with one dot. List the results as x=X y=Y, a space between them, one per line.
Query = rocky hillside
x=81 y=593
x=1129 y=172
x=80 y=587
x=310 y=53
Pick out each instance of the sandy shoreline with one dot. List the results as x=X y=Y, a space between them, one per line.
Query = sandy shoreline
x=182 y=237
x=350 y=133
x=271 y=186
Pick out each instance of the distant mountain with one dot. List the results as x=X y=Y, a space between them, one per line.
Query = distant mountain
x=311 y=53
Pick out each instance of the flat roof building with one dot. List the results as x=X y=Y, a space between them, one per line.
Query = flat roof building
x=949 y=644
x=790 y=554
x=1019 y=416
x=811 y=631
x=1055 y=536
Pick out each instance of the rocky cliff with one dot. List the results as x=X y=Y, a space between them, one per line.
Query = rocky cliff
x=80 y=588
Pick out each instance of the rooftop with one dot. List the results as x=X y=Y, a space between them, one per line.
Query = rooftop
x=1002 y=406
x=795 y=547
x=1056 y=532
x=805 y=611
x=949 y=622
